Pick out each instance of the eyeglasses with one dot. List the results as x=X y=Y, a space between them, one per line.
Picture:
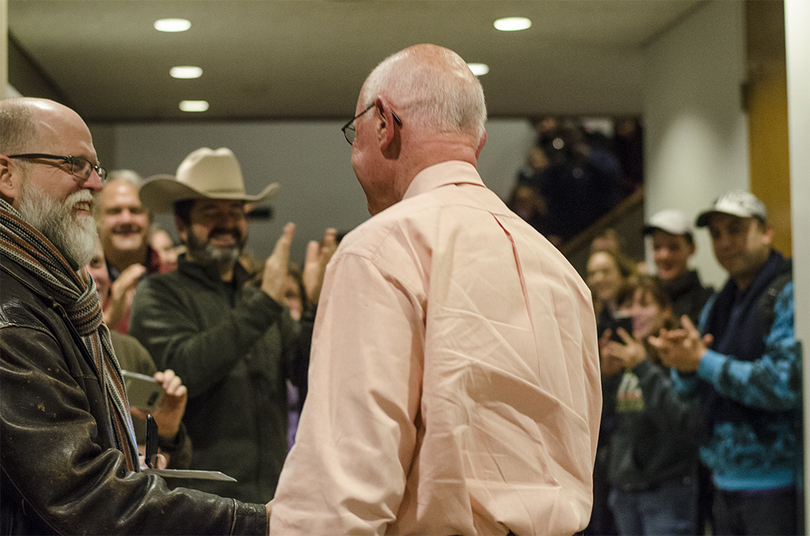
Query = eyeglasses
x=79 y=167
x=351 y=133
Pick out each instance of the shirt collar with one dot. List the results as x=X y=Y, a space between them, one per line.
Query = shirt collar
x=437 y=175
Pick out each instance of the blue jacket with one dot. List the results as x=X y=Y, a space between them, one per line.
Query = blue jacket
x=752 y=412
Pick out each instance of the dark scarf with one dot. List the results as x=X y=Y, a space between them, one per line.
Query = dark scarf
x=736 y=323
x=76 y=293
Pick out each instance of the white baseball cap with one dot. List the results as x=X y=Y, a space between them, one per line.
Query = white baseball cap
x=737 y=203
x=670 y=220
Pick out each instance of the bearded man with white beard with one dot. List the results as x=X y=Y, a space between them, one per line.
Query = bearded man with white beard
x=68 y=460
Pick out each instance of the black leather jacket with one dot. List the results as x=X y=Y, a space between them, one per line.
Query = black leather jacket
x=61 y=473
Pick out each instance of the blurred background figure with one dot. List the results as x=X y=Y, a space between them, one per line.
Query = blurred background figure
x=527 y=202
x=173 y=441
x=607 y=240
x=294 y=297
x=162 y=243
x=653 y=448
x=124 y=228
x=576 y=172
x=673 y=244
x=607 y=272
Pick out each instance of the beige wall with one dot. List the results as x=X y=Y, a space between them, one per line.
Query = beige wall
x=696 y=131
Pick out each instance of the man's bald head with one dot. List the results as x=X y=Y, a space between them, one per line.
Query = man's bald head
x=434 y=86
x=17 y=125
x=28 y=123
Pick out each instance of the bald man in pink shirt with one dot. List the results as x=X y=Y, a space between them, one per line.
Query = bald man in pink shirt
x=454 y=382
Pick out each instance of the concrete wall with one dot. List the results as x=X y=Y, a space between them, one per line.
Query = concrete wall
x=696 y=134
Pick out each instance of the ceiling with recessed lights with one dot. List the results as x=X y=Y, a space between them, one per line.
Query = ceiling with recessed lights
x=306 y=59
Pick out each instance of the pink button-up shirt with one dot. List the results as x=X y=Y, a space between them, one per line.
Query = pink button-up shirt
x=454 y=386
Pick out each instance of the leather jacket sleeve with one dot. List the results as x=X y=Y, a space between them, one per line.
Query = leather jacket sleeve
x=59 y=476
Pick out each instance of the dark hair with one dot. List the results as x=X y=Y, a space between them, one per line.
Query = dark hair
x=182 y=209
x=648 y=285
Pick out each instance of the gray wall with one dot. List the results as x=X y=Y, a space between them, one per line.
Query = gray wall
x=310 y=160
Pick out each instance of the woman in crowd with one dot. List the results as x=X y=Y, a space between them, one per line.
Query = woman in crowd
x=653 y=453
x=607 y=272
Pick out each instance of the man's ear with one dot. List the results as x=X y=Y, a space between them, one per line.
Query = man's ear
x=385 y=127
x=9 y=180
x=767 y=233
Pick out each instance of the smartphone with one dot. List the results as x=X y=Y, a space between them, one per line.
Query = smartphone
x=143 y=392
x=625 y=322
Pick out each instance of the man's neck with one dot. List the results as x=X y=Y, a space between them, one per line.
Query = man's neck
x=430 y=149
x=226 y=268
x=744 y=280
x=226 y=271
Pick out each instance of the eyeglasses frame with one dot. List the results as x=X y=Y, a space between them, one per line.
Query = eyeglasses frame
x=69 y=159
x=350 y=124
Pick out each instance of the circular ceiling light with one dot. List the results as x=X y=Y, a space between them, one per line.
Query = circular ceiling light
x=194 y=105
x=185 y=72
x=172 y=25
x=478 y=69
x=512 y=24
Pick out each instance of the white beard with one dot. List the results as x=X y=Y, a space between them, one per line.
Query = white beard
x=74 y=235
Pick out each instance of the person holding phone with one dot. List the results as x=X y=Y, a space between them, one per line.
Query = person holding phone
x=607 y=272
x=653 y=454
x=173 y=441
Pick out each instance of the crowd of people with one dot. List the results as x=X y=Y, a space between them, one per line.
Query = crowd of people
x=423 y=321
x=575 y=173
x=701 y=423
x=442 y=370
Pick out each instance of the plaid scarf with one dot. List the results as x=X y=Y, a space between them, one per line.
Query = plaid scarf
x=76 y=293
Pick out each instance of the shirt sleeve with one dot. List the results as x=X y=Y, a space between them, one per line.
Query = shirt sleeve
x=173 y=329
x=772 y=382
x=347 y=471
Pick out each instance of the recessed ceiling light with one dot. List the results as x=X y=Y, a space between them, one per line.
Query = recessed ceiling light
x=194 y=105
x=512 y=24
x=172 y=25
x=185 y=72
x=478 y=69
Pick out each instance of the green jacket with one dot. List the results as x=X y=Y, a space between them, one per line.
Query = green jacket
x=234 y=347
x=132 y=356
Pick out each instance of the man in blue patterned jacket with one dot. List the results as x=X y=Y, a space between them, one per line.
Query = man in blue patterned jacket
x=745 y=365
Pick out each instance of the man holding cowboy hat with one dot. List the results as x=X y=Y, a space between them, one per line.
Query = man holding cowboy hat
x=235 y=345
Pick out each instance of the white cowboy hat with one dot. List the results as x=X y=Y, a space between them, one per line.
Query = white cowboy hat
x=205 y=173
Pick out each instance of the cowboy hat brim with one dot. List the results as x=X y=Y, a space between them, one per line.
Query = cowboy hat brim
x=159 y=193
